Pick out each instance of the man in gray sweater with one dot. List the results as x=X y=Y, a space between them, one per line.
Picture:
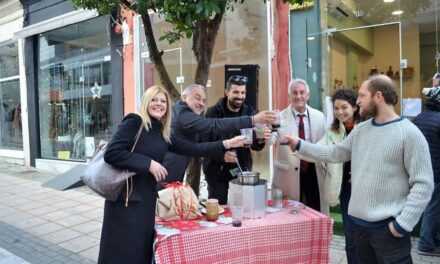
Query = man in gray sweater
x=392 y=178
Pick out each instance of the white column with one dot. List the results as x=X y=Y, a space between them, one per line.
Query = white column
x=137 y=60
x=24 y=103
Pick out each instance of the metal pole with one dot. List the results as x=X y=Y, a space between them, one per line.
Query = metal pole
x=401 y=70
x=269 y=81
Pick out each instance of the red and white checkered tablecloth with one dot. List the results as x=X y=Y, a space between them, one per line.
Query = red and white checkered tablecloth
x=278 y=238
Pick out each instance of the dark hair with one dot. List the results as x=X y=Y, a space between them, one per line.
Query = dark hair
x=346 y=95
x=237 y=80
x=382 y=83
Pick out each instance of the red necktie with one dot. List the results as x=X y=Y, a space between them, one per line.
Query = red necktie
x=302 y=135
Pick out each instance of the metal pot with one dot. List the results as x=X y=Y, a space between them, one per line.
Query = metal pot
x=249 y=177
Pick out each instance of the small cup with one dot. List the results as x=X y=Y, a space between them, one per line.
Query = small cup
x=259 y=133
x=277 y=122
x=237 y=215
x=282 y=132
x=247 y=133
x=212 y=210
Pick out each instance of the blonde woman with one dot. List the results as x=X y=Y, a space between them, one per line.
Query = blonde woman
x=128 y=231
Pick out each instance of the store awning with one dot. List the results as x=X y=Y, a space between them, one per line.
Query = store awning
x=56 y=22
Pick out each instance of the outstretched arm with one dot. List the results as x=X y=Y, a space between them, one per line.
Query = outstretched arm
x=340 y=152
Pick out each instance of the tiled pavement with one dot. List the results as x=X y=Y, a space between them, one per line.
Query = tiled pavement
x=42 y=225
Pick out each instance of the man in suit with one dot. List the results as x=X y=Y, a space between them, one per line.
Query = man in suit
x=189 y=123
x=295 y=177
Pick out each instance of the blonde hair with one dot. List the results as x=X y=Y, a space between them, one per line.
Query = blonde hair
x=148 y=96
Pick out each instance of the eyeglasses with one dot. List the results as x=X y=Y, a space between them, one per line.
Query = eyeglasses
x=238 y=79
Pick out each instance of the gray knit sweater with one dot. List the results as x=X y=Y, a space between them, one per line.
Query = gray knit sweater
x=391 y=170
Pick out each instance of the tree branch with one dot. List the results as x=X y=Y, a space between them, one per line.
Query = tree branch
x=129 y=4
x=156 y=56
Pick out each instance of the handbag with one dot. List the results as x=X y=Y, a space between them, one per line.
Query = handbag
x=106 y=180
x=177 y=202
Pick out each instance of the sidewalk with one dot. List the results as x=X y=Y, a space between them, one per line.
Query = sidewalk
x=7 y=257
x=45 y=226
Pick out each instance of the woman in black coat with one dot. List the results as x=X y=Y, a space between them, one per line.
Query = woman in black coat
x=128 y=229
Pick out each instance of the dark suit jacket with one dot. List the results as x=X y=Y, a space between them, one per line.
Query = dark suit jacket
x=192 y=127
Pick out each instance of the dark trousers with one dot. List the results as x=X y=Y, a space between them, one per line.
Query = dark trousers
x=309 y=190
x=218 y=190
x=378 y=245
x=430 y=230
x=350 y=248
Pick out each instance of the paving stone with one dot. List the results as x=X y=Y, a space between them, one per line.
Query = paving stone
x=45 y=229
x=80 y=243
x=91 y=253
x=72 y=220
x=62 y=236
x=42 y=210
x=88 y=227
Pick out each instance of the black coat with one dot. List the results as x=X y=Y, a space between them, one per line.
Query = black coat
x=429 y=123
x=216 y=169
x=192 y=127
x=128 y=232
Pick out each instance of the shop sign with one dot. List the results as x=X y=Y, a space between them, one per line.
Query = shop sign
x=302 y=5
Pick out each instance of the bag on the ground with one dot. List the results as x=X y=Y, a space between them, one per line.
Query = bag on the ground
x=177 y=202
x=106 y=180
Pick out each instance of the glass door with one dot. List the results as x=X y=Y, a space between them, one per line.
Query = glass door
x=352 y=55
x=10 y=107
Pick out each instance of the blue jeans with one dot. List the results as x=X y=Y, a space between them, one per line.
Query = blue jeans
x=430 y=230
x=350 y=248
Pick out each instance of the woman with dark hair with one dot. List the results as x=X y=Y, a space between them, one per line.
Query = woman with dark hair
x=335 y=178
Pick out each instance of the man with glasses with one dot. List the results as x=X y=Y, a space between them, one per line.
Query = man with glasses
x=219 y=171
x=189 y=123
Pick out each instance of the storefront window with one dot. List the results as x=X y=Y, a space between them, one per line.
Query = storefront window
x=74 y=89
x=10 y=109
x=396 y=38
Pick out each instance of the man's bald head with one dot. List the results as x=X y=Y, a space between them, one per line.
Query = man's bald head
x=385 y=85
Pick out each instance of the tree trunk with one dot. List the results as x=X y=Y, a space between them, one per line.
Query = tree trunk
x=156 y=57
x=204 y=37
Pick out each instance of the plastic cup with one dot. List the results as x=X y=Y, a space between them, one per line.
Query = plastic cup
x=247 y=133
x=282 y=133
x=259 y=133
x=237 y=215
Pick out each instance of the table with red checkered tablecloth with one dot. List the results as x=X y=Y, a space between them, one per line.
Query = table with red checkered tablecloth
x=280 y=237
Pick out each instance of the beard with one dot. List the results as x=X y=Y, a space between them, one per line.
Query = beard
x=369 y=112
x=235 y=104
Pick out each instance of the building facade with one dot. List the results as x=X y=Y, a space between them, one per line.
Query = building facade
x=76 y=74
x=346 y=41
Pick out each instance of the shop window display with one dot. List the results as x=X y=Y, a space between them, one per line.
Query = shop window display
x=74 y=90
x=10 y=108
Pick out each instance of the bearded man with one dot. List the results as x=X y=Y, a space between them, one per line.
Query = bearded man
x=219 y=172
x=392 y=176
